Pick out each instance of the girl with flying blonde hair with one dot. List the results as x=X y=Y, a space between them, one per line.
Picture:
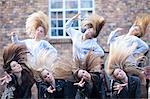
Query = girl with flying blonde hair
x=61 y=70
x=37 y=28
x=118 y=69
x=137 y=30
x=87 y=53
x=86 y=50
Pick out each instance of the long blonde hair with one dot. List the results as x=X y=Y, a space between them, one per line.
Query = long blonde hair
x=142 y=21
x=96 y=21
x=34 y=21
x=119 y=52
x=44 y=59
x=64 y=67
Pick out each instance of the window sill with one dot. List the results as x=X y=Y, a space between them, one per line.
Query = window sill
x=59 y=40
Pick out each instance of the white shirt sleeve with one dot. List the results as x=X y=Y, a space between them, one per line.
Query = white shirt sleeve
x=14 y=38
x=99 y=50
x=142 y=46
x=111 y=37
x=48 y=46
x=68 y=28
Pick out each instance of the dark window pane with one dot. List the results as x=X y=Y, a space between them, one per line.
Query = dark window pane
x=60 y=23
x=53 y=15
x=53 y=23
x=60 y=32
x=60 y=15
x=54 y=32
x=57 y=15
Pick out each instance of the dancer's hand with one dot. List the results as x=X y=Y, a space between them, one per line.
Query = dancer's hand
x=81 y=83
x=118 y=29
x=119 y=87
x=76 y=16
x=12 y=33
x=113 y=35
x=6 y=79
x=50 y=89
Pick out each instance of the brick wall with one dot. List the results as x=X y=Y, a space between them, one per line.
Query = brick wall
x=121 y=13
x=118 y=13
x=13 y=14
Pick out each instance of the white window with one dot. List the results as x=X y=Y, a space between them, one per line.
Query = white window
x=62 y=10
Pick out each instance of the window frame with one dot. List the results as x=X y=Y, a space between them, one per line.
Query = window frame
x=63 y=10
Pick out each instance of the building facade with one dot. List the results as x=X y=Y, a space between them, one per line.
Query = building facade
x=118 y=13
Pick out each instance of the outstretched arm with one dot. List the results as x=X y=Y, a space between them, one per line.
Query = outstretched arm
x=99 y=51
x=113 y=35
x=48 y=46
x=70 y=31
x=96 y=48
x=14 y=37
x=142 y=47
x=6 y=79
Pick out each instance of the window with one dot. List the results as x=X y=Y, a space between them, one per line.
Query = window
x=62 y=10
